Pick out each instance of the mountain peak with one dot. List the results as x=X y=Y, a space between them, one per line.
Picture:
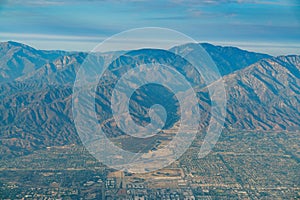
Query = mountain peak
x=228 y=59
x=12 y=44
x=18 y=59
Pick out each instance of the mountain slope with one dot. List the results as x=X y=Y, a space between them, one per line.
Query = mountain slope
x=17 y=59
x=266 y=95
x=20 y=62
x=62 y=70
x=230 y=59
x=35 y=100
x=227 y=59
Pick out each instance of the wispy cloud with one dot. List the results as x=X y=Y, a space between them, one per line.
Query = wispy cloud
x=36 y=3
x=218 y=2
x=64 y=2
x=59 y=21
x=22 y=36
x=167 y=18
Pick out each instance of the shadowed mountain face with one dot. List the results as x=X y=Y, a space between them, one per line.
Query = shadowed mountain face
x=36 y=90
x=230 y=59
x=148 y=95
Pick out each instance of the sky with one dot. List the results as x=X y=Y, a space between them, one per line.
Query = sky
x=269 y=26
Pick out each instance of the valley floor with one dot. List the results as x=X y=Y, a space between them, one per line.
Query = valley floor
x=243 y=165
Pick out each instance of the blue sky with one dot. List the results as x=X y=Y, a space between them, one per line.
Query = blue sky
x=271 y=26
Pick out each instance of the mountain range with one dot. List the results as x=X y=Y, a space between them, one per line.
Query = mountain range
x=263 y=93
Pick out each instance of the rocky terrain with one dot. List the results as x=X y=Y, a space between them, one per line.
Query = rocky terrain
x=36 y=92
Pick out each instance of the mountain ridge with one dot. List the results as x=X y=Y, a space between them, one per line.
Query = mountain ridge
x=35 y=108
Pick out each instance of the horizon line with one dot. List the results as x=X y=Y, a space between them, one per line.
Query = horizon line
x=240 y=45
